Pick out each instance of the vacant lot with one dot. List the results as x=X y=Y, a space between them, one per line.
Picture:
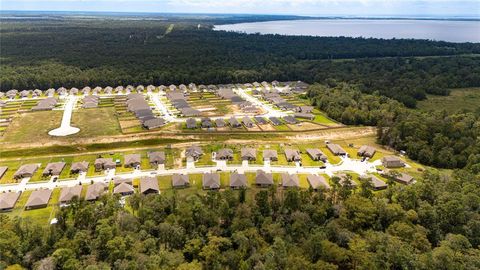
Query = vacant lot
x=96 y=122
x=459 y=99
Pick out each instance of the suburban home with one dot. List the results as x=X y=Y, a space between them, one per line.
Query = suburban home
x=3 y=170
x=290 y=180
x=45 y=104
x=292 y=155
x=8 y=200
x=219 y=122
x=180 y=180
x=38 y=199
x=317 y=181
x=154 y=123
x=392 y=162
x=234 y=123
x=149 y=185
x=156 y=158
x=305 y=109
x=270 y=155
x=211 y=181
x=290 y=120
x=316 y=154
x=263 y=179
x=68 y=193
x=344 y=178
x=54 y=168
x=132 y=161
x=104 y=164
x=117 y=180
x=238 y=180
x=248 y=122
x=26 y=170
x=376 y=182
x=194 y=152
x=260 y=120
x=191 y=123
x=224 y=154
x=123 y=189
x=78 y=167
x=308 y=116
x=94 y=191
x=206 y=122
x=404 y=178
x=275 y=121
x=336 y=149
x=249 y=154
x=366 y=151
x=189 y=112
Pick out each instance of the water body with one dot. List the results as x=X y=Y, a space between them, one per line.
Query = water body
x=445 y=30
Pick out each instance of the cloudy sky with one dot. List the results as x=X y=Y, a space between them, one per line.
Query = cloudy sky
x=299 y=7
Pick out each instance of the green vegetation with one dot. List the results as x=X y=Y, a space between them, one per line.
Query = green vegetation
x=458 y=100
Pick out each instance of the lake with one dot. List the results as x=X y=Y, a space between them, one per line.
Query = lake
x=453 y=31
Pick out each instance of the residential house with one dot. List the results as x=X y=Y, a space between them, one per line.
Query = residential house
x=8 y=200
x=366 y=151
x=180 y=180
x=25 y=171
x=191 y=123
x=377 y=184
x=156 y=158
x=316 y=154
x=336 y=149
x=124 y=189
x=270 y=155
x=94 y=191
x=224 y=154
x=132 y=161
x=211 y=181
x=392 y=162
x=3 y=170
x=317 y=181
x=237 y=180
x=38 y=199
x=54 y=168
x=290 y=180
x=263 y=179
x=78 y=167
x=68 y=193
x=292 y=155
x=248 y=122
x=219 y=122
x=234 y=123
x=104 y=164
x=194 y=152
x=249 y=154
x=149 y=185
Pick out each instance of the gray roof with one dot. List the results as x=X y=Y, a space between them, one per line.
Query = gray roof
x=81 y=166
x=247 y=121
x=317 y=181
x=263 y=178
x=68 y=193
x=191 y=123
x=292 y=154
x=343 y=178
x=3 y=169
x=45 y=104
x=180 y=180
x=149 y=184
x=154 y=123
x=315 y=153
x=132 y=159
x=290 y=180
x=249 y=153
x=187 y=111
x=26 y=170
x=404 y=178
x=376 y=182
x=336 y=149
x=39 y=198
x=123 y=188
x=367 y=151
x=238 y=180
x=8 y=200
x=225 y=153
x=194 y=151
x=54 y=168
x=269 y=154
x=234 y=122
x=219 y=122
x=156 y=157
x=211 y=180
x=290 y=119
x=117 y=180
x=95 y=190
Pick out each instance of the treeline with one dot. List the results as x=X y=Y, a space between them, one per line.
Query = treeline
x=433 y=224
x=76 y=53
x=433 y=138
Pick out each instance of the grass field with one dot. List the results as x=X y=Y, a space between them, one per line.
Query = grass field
x=459 y=99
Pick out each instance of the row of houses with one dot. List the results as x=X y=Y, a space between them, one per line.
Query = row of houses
x=179 y=101
x=137 y=104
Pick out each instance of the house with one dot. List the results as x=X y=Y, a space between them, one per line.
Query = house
x=123 y=189
x=117 y=180
x=270 y=155
x=54 y=168
x=153 y=123
x=305 y=109
x=191 y=123
x=194 y=152
x=38 y=199
x=336 y=149
x=317 y=181
x=290 y=120
x=132 y=161
x=104 y=164
x=68 y=193
x=392 y=162
x=248 y=122
x=211 y=181
x=260 y=120
x=234 y=123
x=180 y=180
x=292 y=155
x=316 y=154
x=275 y=121
x=404 y=178
x=224 y=154
x=26 y=170
x=290 y=180
x=206 y=122
x=366 y=151
x=346 y=179
x=308 y=116
x=149 y=185
x=156 y=158
x=263 y=179
x=95 y=190
x=189 y=112
x=78 y=167
x=45 y=104
x=3 y=170
x=377 y=184
x=238 y=180
x=249 y=154
x=219 y=122
x=8 y=200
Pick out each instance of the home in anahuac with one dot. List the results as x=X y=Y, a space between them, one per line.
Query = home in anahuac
x=38 y=199
x=191 y=123
x=248 y=122
x=238 y=180
x=132 y=161
x=336 y=149
x=234 y=122
x=366 y=151
x=68 y=193
x=317 y=181
x=271 y=155
x=377 y=184
x=316 y=154
x=124 y=189
x=25 y=171
x=224 y=154
x=94 y=191
x=219 y=122
x=54 y=168
x=180 y=180
x=292 y=155
x=346 y=178
x=290 y=180
x=79 y=167
x=194 y=152
x=156 y=158
x=149 y=185
x=104 y=164
x=3 y=170
x=211 y=181
x=249 y=154
x=263 y=179
x=8 y=200
x=392 y=162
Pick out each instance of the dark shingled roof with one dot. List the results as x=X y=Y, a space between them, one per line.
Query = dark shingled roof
x=149 y=185
x=317 y=181
x=263 y=178
x=39 y=198
x=238 y=180
x=95 y=190
x=290 y=180
x=8 y=200
x=180 y=180
x=67 y=193
x=211 y=181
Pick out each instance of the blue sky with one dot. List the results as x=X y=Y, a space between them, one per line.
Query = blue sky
x=300 y=7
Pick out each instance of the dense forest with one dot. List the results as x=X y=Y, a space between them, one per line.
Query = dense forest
x=75 y=53
x=434 y=224
x=433 y=138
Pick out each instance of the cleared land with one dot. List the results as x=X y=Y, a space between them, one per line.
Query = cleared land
x=459 y=99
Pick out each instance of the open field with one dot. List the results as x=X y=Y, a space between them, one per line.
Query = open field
x=459 y=99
